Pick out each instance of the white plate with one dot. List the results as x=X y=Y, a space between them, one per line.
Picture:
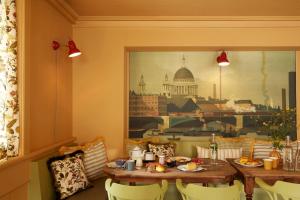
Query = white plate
x=178 y=158
x=112 y=165
x=237 y=161
x=183 y=168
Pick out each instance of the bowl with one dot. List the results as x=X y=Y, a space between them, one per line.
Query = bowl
x=171 y=163
x=120 y=162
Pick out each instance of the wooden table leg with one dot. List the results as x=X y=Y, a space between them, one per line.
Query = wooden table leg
x=132 y=183
x=249 y=187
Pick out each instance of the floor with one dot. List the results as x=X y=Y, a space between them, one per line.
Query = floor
x=97 y=192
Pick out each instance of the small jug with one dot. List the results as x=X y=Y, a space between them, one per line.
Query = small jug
x=139 y=162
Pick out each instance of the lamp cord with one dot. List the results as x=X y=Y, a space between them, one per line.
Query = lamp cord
x=220 y=107
x=56 y=96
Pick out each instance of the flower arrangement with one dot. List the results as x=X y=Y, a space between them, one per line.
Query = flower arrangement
x=278 y=126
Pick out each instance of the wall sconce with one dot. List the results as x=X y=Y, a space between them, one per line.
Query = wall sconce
x=73 y=50
x=223 y=60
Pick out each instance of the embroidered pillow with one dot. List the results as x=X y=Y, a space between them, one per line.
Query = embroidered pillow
x=68 y=174
x=167 y=149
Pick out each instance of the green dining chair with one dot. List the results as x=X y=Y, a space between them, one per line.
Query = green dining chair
x=198 y=192
x=288 y=191
x=117 y=191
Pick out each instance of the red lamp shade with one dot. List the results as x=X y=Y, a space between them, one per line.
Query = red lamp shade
x=55 y=45
x=73 y=51
x=222 y=59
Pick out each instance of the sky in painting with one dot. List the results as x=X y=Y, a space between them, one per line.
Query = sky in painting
x=244 y=78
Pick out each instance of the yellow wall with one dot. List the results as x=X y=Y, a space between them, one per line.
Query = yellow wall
x=43 y=24
x=47 y=25
x=98 y=75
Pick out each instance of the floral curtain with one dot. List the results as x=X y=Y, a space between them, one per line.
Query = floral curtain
x=9 y=107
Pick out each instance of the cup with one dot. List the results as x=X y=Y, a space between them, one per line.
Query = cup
x=171 y=163
x=268 y=163
x=130 y=165
x=149 y=156
x=274 y=162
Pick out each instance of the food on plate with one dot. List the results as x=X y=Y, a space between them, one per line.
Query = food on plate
x=247 y=161
x=252 y=162
x=243 y=160
x=160 y=168
x=198 y=161
x=191 y=166
x=182 y=159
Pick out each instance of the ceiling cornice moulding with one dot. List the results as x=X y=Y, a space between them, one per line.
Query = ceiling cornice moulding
x=188 y=18
x=65 y=9
x=190 y=22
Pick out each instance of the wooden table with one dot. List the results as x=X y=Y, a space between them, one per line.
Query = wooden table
x=222 y=173
x=248 y=174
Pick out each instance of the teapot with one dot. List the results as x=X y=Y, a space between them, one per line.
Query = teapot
x=136 y=153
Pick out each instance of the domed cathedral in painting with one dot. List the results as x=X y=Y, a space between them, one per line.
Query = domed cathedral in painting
x=183 y=83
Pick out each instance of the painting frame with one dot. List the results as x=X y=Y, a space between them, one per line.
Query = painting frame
x=128 y=50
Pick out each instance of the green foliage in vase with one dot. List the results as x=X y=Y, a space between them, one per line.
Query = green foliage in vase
x=278 y=126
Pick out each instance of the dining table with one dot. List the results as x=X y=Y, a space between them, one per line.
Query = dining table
x=221 y=172
x=248 y=175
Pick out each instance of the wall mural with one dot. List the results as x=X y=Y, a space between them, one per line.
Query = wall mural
x=187 y=93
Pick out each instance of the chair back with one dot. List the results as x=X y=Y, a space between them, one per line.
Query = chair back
x=197 y=192
x=146 y=192
x=288 y=191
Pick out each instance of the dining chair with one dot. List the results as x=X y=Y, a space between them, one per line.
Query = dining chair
x=117 y=191
x=288 y=191
x=198 y=192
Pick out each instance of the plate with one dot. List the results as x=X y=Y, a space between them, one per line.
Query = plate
x=181 y=159
x=112 y=165
x=183 y=168
x=258 y=164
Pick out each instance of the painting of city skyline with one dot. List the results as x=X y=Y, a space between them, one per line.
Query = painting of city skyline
x=188 y=93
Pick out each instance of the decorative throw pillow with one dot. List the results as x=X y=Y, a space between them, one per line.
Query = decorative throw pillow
x=222 y=153
x=130 y=144
x=94 y=158
x=167 y=149
x=68 y=174
x=202 y=152
x=262 y=149
x=240 y=142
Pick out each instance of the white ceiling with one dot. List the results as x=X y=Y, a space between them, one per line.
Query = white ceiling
x=186 y=7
